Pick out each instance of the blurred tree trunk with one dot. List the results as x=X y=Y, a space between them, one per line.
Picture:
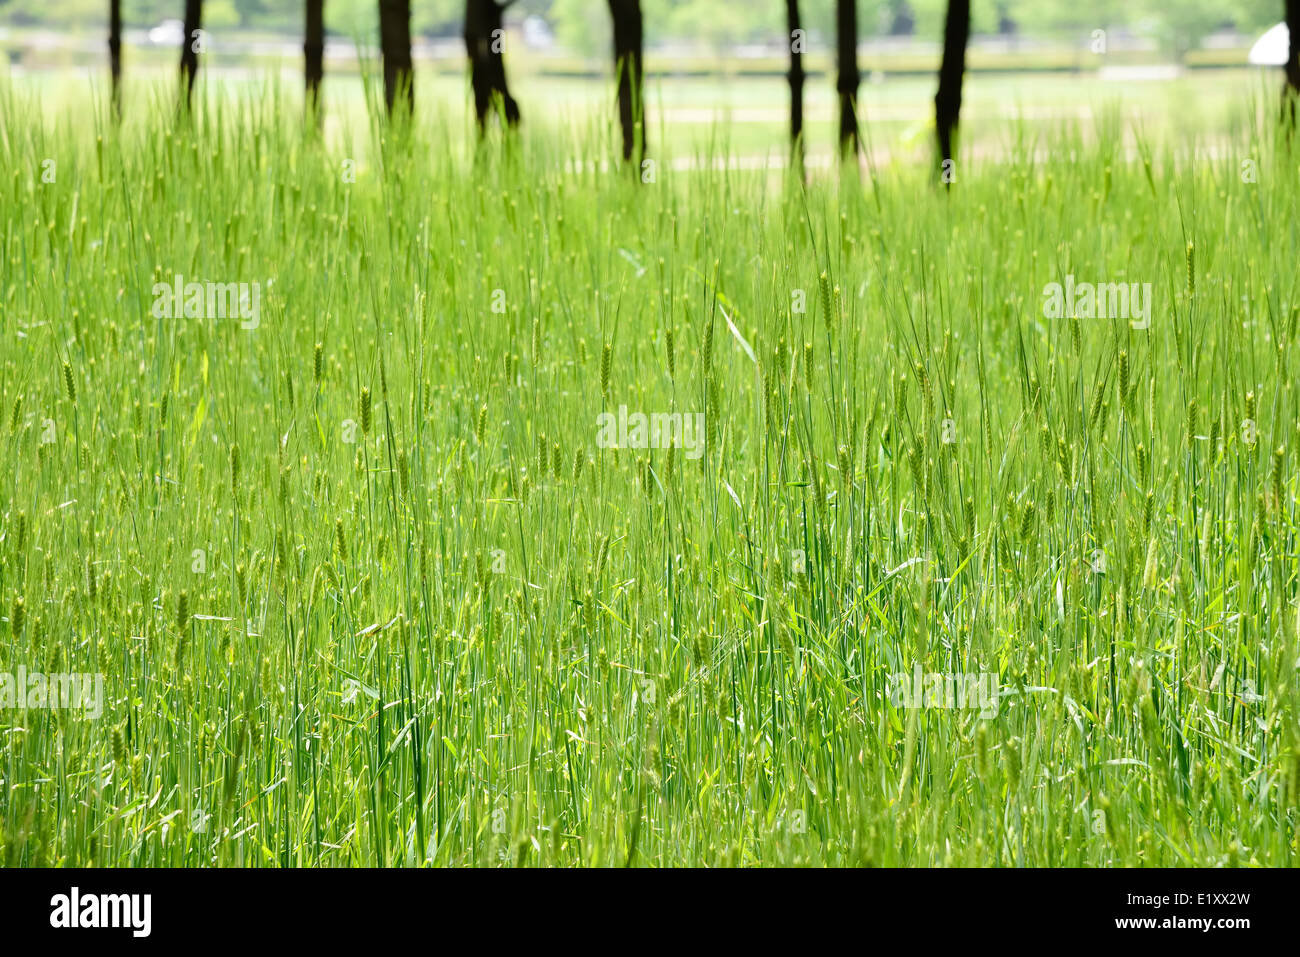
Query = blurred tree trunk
x=630 y=68
x=947 y=101
x=796 y=77
x=395 y=48
x=1292 y=90
x=190 y=46
x=484 y=40
x=115 y=52
x=846 y=29
x=313 y=51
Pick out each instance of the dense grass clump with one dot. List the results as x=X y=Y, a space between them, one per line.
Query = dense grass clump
x=365 y=588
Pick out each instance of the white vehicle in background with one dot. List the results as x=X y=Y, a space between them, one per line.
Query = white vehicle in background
x=1272 y=48
x=169 y=33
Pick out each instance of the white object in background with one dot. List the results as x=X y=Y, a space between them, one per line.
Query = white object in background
x=169 y=33
x=1272 y=48
x=537 y=34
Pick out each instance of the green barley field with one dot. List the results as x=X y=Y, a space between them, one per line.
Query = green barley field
x=945 y=576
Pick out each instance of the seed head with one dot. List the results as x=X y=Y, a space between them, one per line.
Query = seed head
x=1279 y=457
x=1027 y=521
x=918 y=473
x=824 y=286
x=1011 y=752
x=340 y=540
x=69 y=384
x=1149 y=573
x=1094 y=414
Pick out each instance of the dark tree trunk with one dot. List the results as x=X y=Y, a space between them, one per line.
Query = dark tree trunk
x=395 y=47
x=115 y=52
x=1292 y=90
x=947 y=101
x=313 y=50
x=630 y=69
x=795 y=76
x=189 y=48
x=484 y=37
x=846 y=29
